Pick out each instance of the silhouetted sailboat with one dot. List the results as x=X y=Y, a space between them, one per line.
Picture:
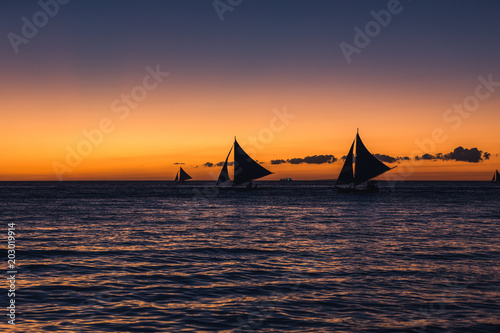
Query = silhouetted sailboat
x=181 y=176
x=245 y=170
x=496 y=177
x=366 y=167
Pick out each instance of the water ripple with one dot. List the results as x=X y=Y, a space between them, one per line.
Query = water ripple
x=153 y=257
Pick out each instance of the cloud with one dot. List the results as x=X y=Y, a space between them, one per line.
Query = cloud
x=472 y=155
x=218 y=164
x=295 y=161
x=178 y=163
x=390 y=159
x=221 y=163
x=460 y=154
x=428 y=157
x=386 y=158
x=316 y=159
x=320 y=159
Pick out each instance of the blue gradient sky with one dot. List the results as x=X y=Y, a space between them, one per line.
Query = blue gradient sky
x=266 y=54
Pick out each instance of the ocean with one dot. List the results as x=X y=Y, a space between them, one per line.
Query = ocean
x=288 y=257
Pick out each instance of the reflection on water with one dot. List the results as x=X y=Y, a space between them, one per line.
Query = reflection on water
x=153 y=257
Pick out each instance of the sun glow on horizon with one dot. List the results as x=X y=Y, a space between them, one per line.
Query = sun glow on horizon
x=235 y=79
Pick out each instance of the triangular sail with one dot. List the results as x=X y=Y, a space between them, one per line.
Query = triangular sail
x=346 y=175
x=245 y=168
x=366 y=166
x=183 y=175
x=176 y=177
x=224 y=174
x=496 y=177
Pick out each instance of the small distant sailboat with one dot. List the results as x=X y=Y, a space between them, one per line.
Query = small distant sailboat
x=245 y=171
x=287 y=179
x=496 y=177
x=366 y=167
x=181 y=176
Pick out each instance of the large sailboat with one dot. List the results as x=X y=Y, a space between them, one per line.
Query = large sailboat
x=496 y=177
x=181 y=176
x=360 y=169
x=245 y=171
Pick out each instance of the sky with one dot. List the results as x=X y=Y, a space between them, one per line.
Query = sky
x=131 y=90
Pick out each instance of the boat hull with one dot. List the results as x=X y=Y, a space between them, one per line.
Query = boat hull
x=357 y=189
x=237 y=188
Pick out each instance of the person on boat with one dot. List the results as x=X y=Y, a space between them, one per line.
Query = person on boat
x=249 y=186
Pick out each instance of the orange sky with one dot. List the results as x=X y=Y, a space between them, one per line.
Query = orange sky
x=182 y=122
x=226 y=78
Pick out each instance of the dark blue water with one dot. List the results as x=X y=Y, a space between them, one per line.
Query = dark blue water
x=290 y=257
